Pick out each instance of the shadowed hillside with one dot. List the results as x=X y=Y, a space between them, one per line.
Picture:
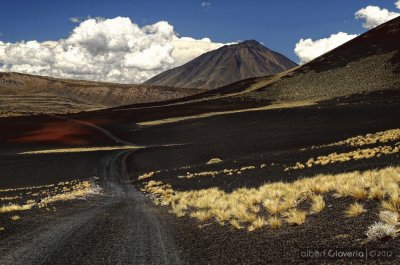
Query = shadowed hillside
x=370 y=62
x=22 y=94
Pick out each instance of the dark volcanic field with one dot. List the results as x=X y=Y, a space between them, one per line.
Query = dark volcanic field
x=277 y=138
x=270 y=136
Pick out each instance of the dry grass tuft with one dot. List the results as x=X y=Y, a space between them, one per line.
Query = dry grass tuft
x=380 y=230
x=236 y=224
x=48 y=194
x=257 y=224
x=274 y=222
x=214 y=161
x=389 y=217
x=244 y=207
x=379 y=137
x=80 y=150
x=295 y=217
x=273 y=206
x=9 y=198
x=15 y=207
x=201 y=215
x=347 y=156
x=15 y=217
x=355 y=209
x=318 y=203
x=146 y=175
x=226 y=171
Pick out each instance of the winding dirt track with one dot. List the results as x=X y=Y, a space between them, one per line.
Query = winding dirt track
x=120 y=228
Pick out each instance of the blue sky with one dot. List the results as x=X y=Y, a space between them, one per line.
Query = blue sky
x=278 y=24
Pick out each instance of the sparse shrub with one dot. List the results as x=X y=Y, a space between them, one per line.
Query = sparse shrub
x=355 y=209
x=318 y=203
x=257 y=224
x=15 y=207
x=295 y=217
x=389 y=217
x=273 y=206
x=201 y=215
x=347 y=156
x=389 y=205
x=15 y=217
x=380 y=230
x=242 y=206
x=214 y=161
x=274 y=222
x=377 y=193
x=146 y=175
x=236 y=224
x=358 y=192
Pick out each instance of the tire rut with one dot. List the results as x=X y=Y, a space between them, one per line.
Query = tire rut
x=120 y=228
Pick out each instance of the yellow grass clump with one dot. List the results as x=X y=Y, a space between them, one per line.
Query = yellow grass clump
x=15 y=217
x=146 y=175
x=358 y=154
x=226 y=171
x=50 y=194
x=257 y=224
x=295 y=217
x=9 y=198
x=79 y=190
x=15 y=207
x=242 y=208
x=274 y=222
x=80 y=150
x=27 y=188
x=355 y=209
x=318 y=203
x=388 y=217
x=214 y=161
x=372 y=138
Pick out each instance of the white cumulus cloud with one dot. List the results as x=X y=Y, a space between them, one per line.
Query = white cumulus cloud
x=205 y=4
x=375 y=16
x=74 y=19
x=308 y=49
x=114 y=50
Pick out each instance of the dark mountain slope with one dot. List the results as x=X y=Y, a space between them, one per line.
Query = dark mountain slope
x=370 y=62
x=224 y=66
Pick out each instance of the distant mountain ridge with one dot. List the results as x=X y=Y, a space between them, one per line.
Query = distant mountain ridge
x=225 y=65
x=24 y=94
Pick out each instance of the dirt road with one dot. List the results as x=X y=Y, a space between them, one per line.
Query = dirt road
x=120 y=227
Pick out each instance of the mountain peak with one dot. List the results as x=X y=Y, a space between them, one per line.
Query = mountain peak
x=225 y=65
x=251 y=43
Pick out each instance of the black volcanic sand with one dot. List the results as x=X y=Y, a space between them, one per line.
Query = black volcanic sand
x=276 y=138
x=271 y=136
x=34 y=170
x=37 y=218
x=21 y=171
